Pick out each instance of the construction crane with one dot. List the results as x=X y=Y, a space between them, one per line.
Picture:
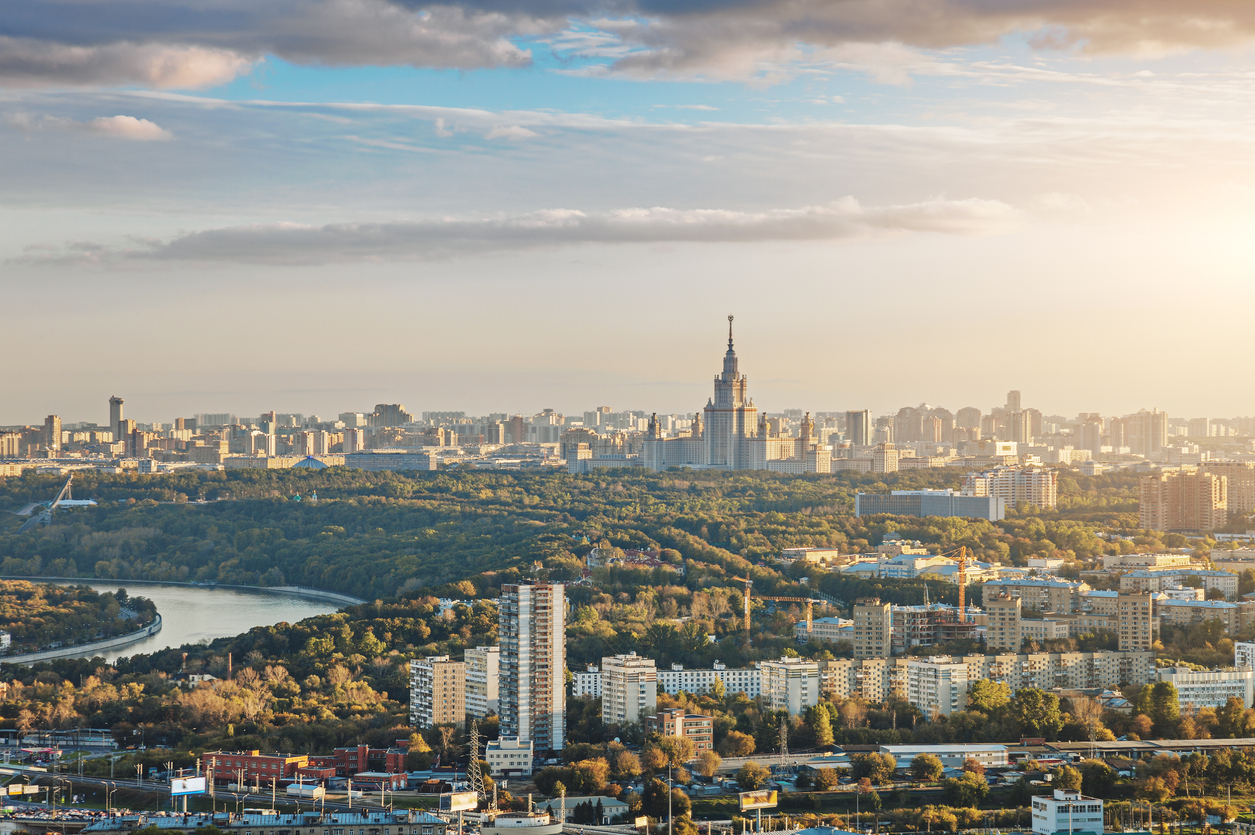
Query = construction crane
x=809 y=601
x=962 y=560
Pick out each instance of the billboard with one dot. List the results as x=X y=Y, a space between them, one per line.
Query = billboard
x=642 y=822
x=182 y=786
x=761 y=799
x=458 y=801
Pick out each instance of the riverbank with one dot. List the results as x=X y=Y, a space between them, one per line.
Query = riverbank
x=295 y=591
x=86 y=650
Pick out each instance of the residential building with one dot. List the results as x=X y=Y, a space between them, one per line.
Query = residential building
x=747 y=680
x=629 y=688
x=437 y=691
x=827 y=629
x=52 y=433
x=858 y=428
x=1210 y=688
x=1039 y=594
x=531 y=634
x=930 y=503
x=1183 y=501
x=115 y=417
x=1191 y=612
x=884 y=460
x=587 y=683
x=1067 y=813
x=1132 y=561
x=1033 y=486
x=937 y=686
x=1158 y=579
x=508 y=757
x=790 y=684
x=989 y=755
x=1135 y=621
x=1003 y=619
x=1240 y=476
x=1244 y=655
x=676 y=722
x=354 y=760
x=873 y=629
x=483 y=681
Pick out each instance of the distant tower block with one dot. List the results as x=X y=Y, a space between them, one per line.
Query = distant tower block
x=115 y=416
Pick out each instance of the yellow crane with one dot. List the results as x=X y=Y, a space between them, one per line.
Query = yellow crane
x=809 y=601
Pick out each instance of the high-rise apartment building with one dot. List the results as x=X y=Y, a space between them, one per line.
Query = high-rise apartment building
x=885 y=458
x=1003 y=631
x=1146 y=432
x=873 y=628
x=1241 y=483
x=531 y=634
x=937 y=686
x=858 y=428
x=437 y=691
x=483 y=681
x=1183 y=501
x=115 y=417
x=1015 y=485
x=1134 y=619
x=790 y=684
x=1014 y=401
x=629 y=689
x=968 y=418
x=52 y=433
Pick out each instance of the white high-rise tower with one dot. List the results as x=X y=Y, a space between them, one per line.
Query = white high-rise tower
x=532 y=635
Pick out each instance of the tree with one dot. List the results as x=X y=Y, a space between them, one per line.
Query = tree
x=1097 y=778
x=708 y=763
x=878 y=768
x=679 y=749
x=654 y=801
x=1153 y=789
x=988 y=696
x=626 y=765
x=1087 y=711
x=653 y=759
x=968 y=790
x=1165 y=706
x=1068 y=778
x=827 y=779
x=927 y=768
x=751 y=776
x=974 y=766
x=821 y=723
x=1230 y=716
x=736 y=744
x=1036 y=713
x=853 y=713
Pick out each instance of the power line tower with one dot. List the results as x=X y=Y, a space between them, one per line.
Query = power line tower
x=784 y=739
x=474 y=774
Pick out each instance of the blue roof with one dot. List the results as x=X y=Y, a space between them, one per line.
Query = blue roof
x=1198 y=604
x=197 y=820
x=1028 y=582
x=309 y=462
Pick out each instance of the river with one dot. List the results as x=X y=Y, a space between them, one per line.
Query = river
x=191 y=614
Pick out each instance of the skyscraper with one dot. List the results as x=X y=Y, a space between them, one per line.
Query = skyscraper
x=1013 y=401
x=115 y=417
x=1183 y=501
x=858 y=428
x=531 y=633
x=52 y=433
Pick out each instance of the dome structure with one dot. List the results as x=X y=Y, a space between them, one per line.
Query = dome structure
x=309 y=462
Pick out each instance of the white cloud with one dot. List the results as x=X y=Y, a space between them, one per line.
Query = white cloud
x=514 y=133
x=118 y=127
x=292 y=243
x=31 y=62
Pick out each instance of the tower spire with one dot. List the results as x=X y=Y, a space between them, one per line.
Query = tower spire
x=729 y=332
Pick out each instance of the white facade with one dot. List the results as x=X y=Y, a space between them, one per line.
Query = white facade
x=587 y=683
x=1210 y=688
x=508 y=758
x=936 y=686
x=629 y=688
x=988 y=755
x=747 y=680
x=1067 y=813
x=531 y=634
x=483 y=681
x=790 y=684
x=825 y=629
x=1244 y=655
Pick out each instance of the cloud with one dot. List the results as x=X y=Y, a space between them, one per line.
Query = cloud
x=514 y=133
x=291 y=243
x=191 y=45
x=118 y=127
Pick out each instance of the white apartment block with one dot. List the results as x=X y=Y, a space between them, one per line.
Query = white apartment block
x=587 y=683
x=1244 y=655
x=1157 y=579
x=747 y=680
x=1030 y=485
x=508 y=758
x=937 y=687
x=790 y=684
x=531 y=634
x=483 y=681
x=827 y=629
x=1210 y=688
x=1067 y=813
x=629 y=689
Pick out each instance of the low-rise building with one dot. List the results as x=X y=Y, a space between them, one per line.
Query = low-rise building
x=827 y=629
x=1210 y=688
x=402 y=822
x=509 y=757
x=252 y=766
x=1191 y=612
x=1157 y=579
x=952 y=756
x=1067 y=813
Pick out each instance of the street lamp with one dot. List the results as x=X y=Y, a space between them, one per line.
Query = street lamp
x=109 y=796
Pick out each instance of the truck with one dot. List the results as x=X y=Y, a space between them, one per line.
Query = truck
x=311 y=791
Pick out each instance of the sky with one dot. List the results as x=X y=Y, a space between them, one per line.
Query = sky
x=319 y=205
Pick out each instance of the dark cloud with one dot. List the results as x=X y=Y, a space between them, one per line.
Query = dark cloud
x=179 y=43
x=349 y=242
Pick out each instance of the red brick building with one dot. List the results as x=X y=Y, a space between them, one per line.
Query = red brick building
x=254 y=766
x=350 y=761
x=675 y=722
